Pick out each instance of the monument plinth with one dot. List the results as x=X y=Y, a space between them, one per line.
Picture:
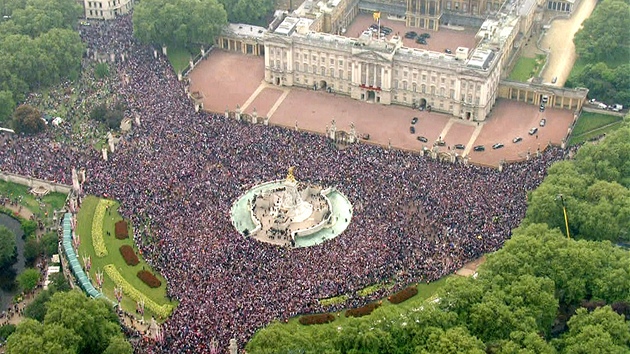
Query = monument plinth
x=291 y=213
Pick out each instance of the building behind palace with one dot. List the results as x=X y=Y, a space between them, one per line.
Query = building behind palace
x=106 y=9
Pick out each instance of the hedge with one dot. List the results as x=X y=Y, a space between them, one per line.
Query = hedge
x=363 y=310
x=149 y=279
x=97 y=227
x=121 y=230
x=403 y=295
x=161 y=310
x=319 y=318
x=129 y=255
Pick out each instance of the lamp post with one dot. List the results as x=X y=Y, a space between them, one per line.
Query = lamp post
x=566 y=218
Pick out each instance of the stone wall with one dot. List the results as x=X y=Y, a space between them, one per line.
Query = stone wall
x=34 y=182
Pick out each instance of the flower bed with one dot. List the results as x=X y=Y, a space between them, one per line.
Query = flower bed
x=317 y=319
x=121 y=230
x=97 y=227
x=149 y=279
x=129 y=255
x=160 y=310
x=403 y=295
x=363 y=310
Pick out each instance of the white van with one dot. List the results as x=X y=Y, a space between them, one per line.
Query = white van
x=616 y=107
x=602 y=106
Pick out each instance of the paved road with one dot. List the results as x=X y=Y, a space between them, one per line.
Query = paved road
x=560 y=39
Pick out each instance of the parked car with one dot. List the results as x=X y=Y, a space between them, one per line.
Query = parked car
x=533 y=131
x=542 y=122
x=365 y=136
x=423 y=139
x=554 y=80
x=411 y=35
x=374 y=26
x=386 y=30
x=541 y=108
x=414 y=120
x=440 y=142
x=497 y=146
x=425 y=35
x=616 y=107
x=602 y=106
x=479 y=148
x=460 y=146
x=448 y=51
x=517 y=139
x=412 y=129
x=421 y=40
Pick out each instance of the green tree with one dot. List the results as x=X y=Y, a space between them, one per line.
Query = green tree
x=37 y=308
x=600 y=331
x=253 y=12
x=8 y=248
x=93 y=320
x=118 y=345
x=59 y=282
x=604 y=34
x=6 y=330
x=65 y=48
x=454 y=340
x=50 y=243
x=33 y=337
x=180 y=23
x=7 y=105
x=32 y=249
x=28 y=279
x=28 y=120
x=523 y=343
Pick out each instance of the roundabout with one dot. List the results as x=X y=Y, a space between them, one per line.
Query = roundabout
x=291 y=213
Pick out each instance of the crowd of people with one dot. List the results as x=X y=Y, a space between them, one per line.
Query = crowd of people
x=178 y=173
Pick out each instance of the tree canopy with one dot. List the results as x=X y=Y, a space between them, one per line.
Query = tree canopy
x=595 y=188
x=180 y=23
x=603 y=47
x=72 y=324
x=38 y=46
x=254 y=12
x=7 y=247
x=28 y=120
x=28 y=279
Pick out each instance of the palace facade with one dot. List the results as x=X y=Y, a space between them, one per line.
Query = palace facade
x=463 y=83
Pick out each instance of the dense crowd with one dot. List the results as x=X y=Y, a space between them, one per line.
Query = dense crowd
x=178 y=173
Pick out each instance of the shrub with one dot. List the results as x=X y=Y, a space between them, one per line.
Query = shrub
x=319 y=318
x=149 y=279
x=129 y=255
x=363 y=310
x=121 y=230
x=403 y=295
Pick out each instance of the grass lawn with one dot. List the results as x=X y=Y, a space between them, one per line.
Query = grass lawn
x=49 y=203
x=591 y=125
x=84 y=229
x=425 y=291
x=179 y=58
x=523 y=69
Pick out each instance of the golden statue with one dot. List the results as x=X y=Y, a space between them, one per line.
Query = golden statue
x=290 y=176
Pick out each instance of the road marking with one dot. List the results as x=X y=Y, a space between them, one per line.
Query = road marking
x=447 y=127
x=253 y=96
x=472 y=139
x=278 y=102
